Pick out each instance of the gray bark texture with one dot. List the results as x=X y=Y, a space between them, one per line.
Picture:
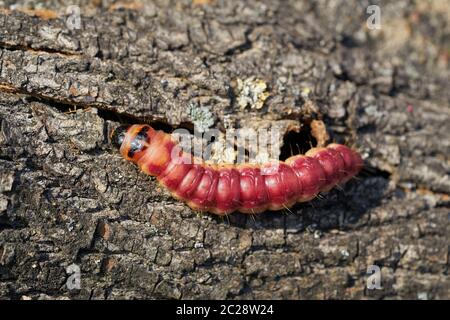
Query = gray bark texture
x=68 y=198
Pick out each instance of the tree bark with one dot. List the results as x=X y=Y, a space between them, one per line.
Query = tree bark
x=68 y=198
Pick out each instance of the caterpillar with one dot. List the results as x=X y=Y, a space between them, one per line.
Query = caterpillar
x=225 y=188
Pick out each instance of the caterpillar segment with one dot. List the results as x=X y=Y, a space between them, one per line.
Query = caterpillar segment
x=224 y=188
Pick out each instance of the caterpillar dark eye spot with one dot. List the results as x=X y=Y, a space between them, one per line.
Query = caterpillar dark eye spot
x=142 y=135
x=118 y=135
x=139 y=143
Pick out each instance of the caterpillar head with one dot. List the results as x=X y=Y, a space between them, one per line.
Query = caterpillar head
x=132 y=140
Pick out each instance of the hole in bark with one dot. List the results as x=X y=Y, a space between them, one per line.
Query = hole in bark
x=349 y=42
x=368 y=171
x=297 y=142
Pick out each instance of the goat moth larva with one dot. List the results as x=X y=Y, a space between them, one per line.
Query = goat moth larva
x=248 y=188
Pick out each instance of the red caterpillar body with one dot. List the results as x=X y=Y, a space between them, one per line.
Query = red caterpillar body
x=222 y=189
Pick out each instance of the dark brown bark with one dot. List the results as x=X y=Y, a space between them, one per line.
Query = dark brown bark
x=67 y=197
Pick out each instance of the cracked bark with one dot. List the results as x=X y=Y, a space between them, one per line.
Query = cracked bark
x=67 y=197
